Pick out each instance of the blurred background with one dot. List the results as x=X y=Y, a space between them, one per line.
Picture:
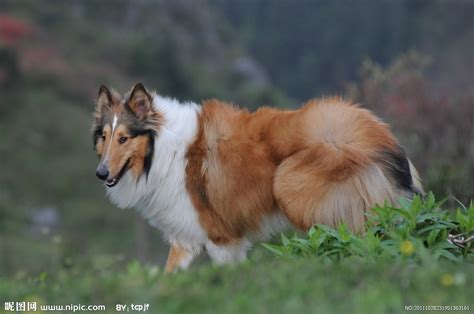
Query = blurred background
x=411 y=62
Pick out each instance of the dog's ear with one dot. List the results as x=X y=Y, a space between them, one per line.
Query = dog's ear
x=104 y=100
x=140 y=101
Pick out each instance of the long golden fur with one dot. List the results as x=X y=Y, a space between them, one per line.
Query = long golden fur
x=318 y=164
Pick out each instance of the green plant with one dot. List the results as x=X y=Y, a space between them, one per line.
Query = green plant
x=417 y=230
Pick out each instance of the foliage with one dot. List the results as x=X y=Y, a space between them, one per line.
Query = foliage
x=315 y=47
x=435 y=128
x=417 y=230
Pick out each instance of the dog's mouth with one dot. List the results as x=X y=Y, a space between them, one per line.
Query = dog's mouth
x=113 y=182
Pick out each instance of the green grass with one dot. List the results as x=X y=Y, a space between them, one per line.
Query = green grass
x=263 y=285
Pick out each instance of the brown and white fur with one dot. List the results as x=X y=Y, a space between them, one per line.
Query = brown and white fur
x=216 y=177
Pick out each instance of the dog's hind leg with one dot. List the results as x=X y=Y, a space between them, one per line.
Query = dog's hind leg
x=179 y=257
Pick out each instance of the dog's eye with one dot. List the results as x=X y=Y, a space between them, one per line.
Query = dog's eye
x=123 y=139
x=103 y=137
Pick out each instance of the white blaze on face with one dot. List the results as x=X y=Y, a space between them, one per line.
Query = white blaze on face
x=114 y=125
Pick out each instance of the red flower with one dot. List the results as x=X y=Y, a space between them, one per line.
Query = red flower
x=12 y=30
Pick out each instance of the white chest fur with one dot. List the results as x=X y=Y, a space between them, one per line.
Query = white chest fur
x=163 y=199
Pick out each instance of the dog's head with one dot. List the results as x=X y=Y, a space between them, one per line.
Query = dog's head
x=124 y=130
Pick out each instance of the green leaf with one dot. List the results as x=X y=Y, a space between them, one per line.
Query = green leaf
x=273 y=248
x=432 y=236
x=286 y=242
x=449 y=255
x=344 y=233
x=430 y=201
x=428 y=216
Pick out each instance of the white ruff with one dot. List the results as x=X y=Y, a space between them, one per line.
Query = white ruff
x=163 y=199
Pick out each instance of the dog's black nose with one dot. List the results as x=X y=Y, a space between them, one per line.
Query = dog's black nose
x=102 y=172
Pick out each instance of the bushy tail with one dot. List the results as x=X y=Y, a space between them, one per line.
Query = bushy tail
x=328 y=186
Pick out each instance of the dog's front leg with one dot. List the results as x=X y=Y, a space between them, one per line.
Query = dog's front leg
x=180 y=257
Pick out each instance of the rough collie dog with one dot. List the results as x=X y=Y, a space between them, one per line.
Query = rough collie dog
x=217 y=177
